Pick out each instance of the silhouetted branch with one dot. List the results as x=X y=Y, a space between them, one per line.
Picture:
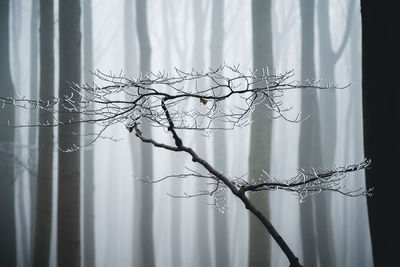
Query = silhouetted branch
x=306 y=183
x=125 y=100
x=174 y=102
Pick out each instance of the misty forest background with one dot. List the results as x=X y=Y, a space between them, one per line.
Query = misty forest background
x=86 y=208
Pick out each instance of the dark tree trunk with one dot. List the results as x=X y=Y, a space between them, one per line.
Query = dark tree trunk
x=261 y=133
x=146 y=211
x=68 y=222
x=310 y=154
x=42 y=236
x=380 y=69
x=89 y=247
x=8 y=249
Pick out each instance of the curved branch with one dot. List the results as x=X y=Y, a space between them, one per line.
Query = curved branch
x=237 y=192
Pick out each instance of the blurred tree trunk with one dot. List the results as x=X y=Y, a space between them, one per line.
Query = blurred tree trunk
x=33 y=131
x=42 y=235
x=328 y=132
x=16 y=37
x=202 y=250
x=131 y=70
x=316 y=212
x=8 y=249
x=68 y=222
x=24 y=258
x=261 y=133
x=130 y=45
x=359 y=249
x=220 y=151
x=328 y=58
x=22 y=224
x=146 y=190
x=89 y=248
x=310 y=154
x=355 y=248
x=177 y=161
x=380 y=70
x=112 y=244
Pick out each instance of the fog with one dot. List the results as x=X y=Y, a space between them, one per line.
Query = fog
x=185 y=232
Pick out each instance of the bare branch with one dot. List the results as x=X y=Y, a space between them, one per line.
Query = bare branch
x=306 y=183
x=175 y=102
x=123 y=100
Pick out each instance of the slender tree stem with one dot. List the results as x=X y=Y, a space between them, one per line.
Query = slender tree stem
x=294 y=262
